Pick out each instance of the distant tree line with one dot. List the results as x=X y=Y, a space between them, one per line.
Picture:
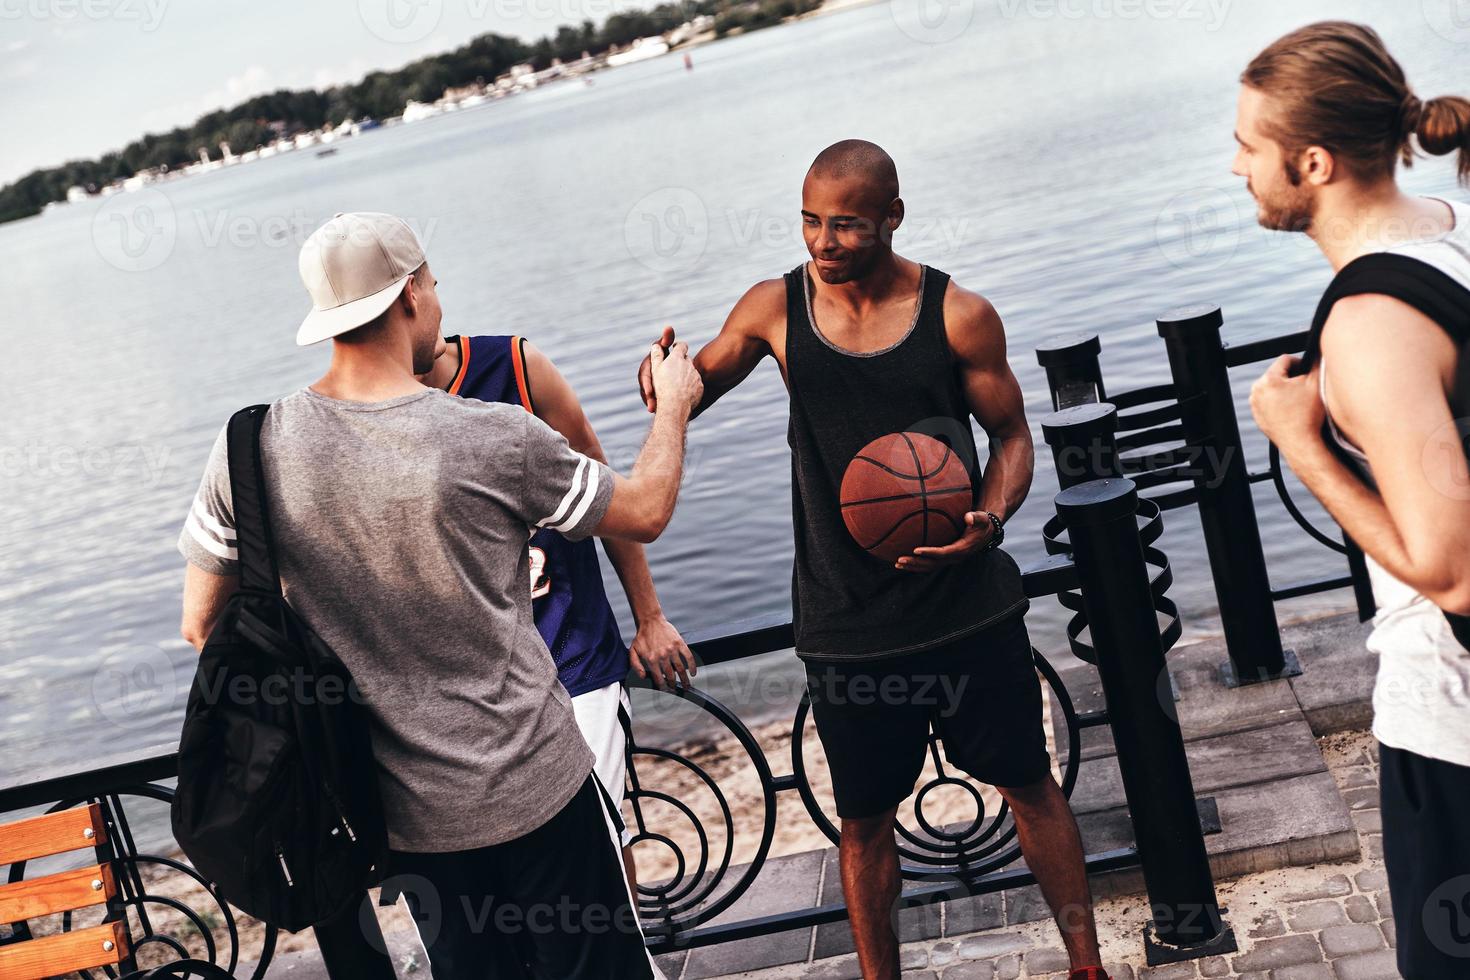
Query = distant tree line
x=379 y=95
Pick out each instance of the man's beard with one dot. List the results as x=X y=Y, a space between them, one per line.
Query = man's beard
x=1291 y=210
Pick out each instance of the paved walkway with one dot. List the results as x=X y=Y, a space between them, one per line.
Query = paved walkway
x=1324 y=922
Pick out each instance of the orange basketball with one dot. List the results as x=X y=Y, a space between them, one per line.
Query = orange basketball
x=905 y=491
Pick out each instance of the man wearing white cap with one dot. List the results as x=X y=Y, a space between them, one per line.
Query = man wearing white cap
x=401 y=516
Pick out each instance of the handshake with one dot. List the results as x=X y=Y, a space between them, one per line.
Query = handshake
x=668 y=378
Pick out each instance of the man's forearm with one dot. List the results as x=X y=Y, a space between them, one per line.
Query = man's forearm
x=660 y=465
x=631 y=563
x=1007 y=477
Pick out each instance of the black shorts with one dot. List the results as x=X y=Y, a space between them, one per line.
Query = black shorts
x=980 y=693
x=1426 y=852
x=551 y=903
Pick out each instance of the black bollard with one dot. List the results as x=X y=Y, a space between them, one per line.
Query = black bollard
x=1072 y=370
x=1083 y=441
x=1100 y=517
x=1226 y=511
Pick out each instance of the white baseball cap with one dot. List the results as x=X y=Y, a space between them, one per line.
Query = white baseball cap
x=354 y=267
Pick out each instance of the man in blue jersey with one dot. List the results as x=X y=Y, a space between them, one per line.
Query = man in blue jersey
x=570 y=604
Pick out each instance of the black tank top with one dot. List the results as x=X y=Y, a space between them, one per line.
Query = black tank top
x=847 y=604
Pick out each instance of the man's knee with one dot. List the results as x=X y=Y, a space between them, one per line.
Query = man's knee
x=869 y=831
x=1031 y=796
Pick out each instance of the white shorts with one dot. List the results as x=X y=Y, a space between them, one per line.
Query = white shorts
x=597 y=717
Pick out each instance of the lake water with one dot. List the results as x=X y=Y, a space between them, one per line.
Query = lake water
x=1075 y=169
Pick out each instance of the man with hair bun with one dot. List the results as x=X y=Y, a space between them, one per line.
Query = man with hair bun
x=1325 y=117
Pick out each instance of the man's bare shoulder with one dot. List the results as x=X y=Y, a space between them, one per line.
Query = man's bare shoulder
x=973 y=326
x=760 y=310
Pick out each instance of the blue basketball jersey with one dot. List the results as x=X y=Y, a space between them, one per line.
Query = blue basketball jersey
x=572 y=613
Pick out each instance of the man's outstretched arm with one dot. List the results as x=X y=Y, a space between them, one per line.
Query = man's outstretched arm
x=736 y=350
x=657 y=649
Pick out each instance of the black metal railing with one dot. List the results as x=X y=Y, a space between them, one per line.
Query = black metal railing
x=1095 y=434
x=1102 y=564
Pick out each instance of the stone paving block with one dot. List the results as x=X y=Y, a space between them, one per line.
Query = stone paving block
x=784 y=884
x=1368 y=821
x=1372 y=880
x=1316 y=915
x=1008 y=967
x=1187 y=970
x=1335 y=689
x=1042 y=961
x=944 y=953
x=1360 y=908
x=1341 y=941
x=1214 y=966
x=976 y=914
x=1361 y=798
x=1025 y=905
x=1272 y=954
x=1380 y=965
x=1305 y=971
x=970 y=970
x=993 y=946
x=1390 y=934
x=672 y=964
x=1334 y=887
x=913 y=957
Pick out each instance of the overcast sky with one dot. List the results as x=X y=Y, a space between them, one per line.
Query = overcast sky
x=81 y=77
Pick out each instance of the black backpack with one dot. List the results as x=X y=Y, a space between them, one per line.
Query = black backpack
x=1426 y=289
x=277 y=800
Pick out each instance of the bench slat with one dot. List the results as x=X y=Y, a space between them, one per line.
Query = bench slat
x=65 y=952
x=52 y=833
x=62 y=892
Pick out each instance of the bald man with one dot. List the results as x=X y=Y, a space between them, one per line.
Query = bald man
x=871 y=343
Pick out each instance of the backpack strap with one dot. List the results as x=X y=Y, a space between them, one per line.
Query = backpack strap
x=258 y=569
x=1427 y=289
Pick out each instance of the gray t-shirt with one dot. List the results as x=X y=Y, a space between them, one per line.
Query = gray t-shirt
x=401 y=529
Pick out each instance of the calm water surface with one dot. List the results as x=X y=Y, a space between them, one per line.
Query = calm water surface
x=1075 y=170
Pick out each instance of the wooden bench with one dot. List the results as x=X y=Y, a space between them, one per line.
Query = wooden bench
x=105 y=945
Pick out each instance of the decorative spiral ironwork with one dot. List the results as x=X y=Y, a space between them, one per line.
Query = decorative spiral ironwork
x=967 y=853
x=1150 y=529
x=135 y=897
x=693 y=894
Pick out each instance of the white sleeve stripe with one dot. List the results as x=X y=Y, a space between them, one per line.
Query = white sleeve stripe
x=566 y=502
x=587 y=497
x=210 y=524
x=208 y=543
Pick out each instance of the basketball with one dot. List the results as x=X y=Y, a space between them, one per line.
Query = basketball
x=905 y=491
